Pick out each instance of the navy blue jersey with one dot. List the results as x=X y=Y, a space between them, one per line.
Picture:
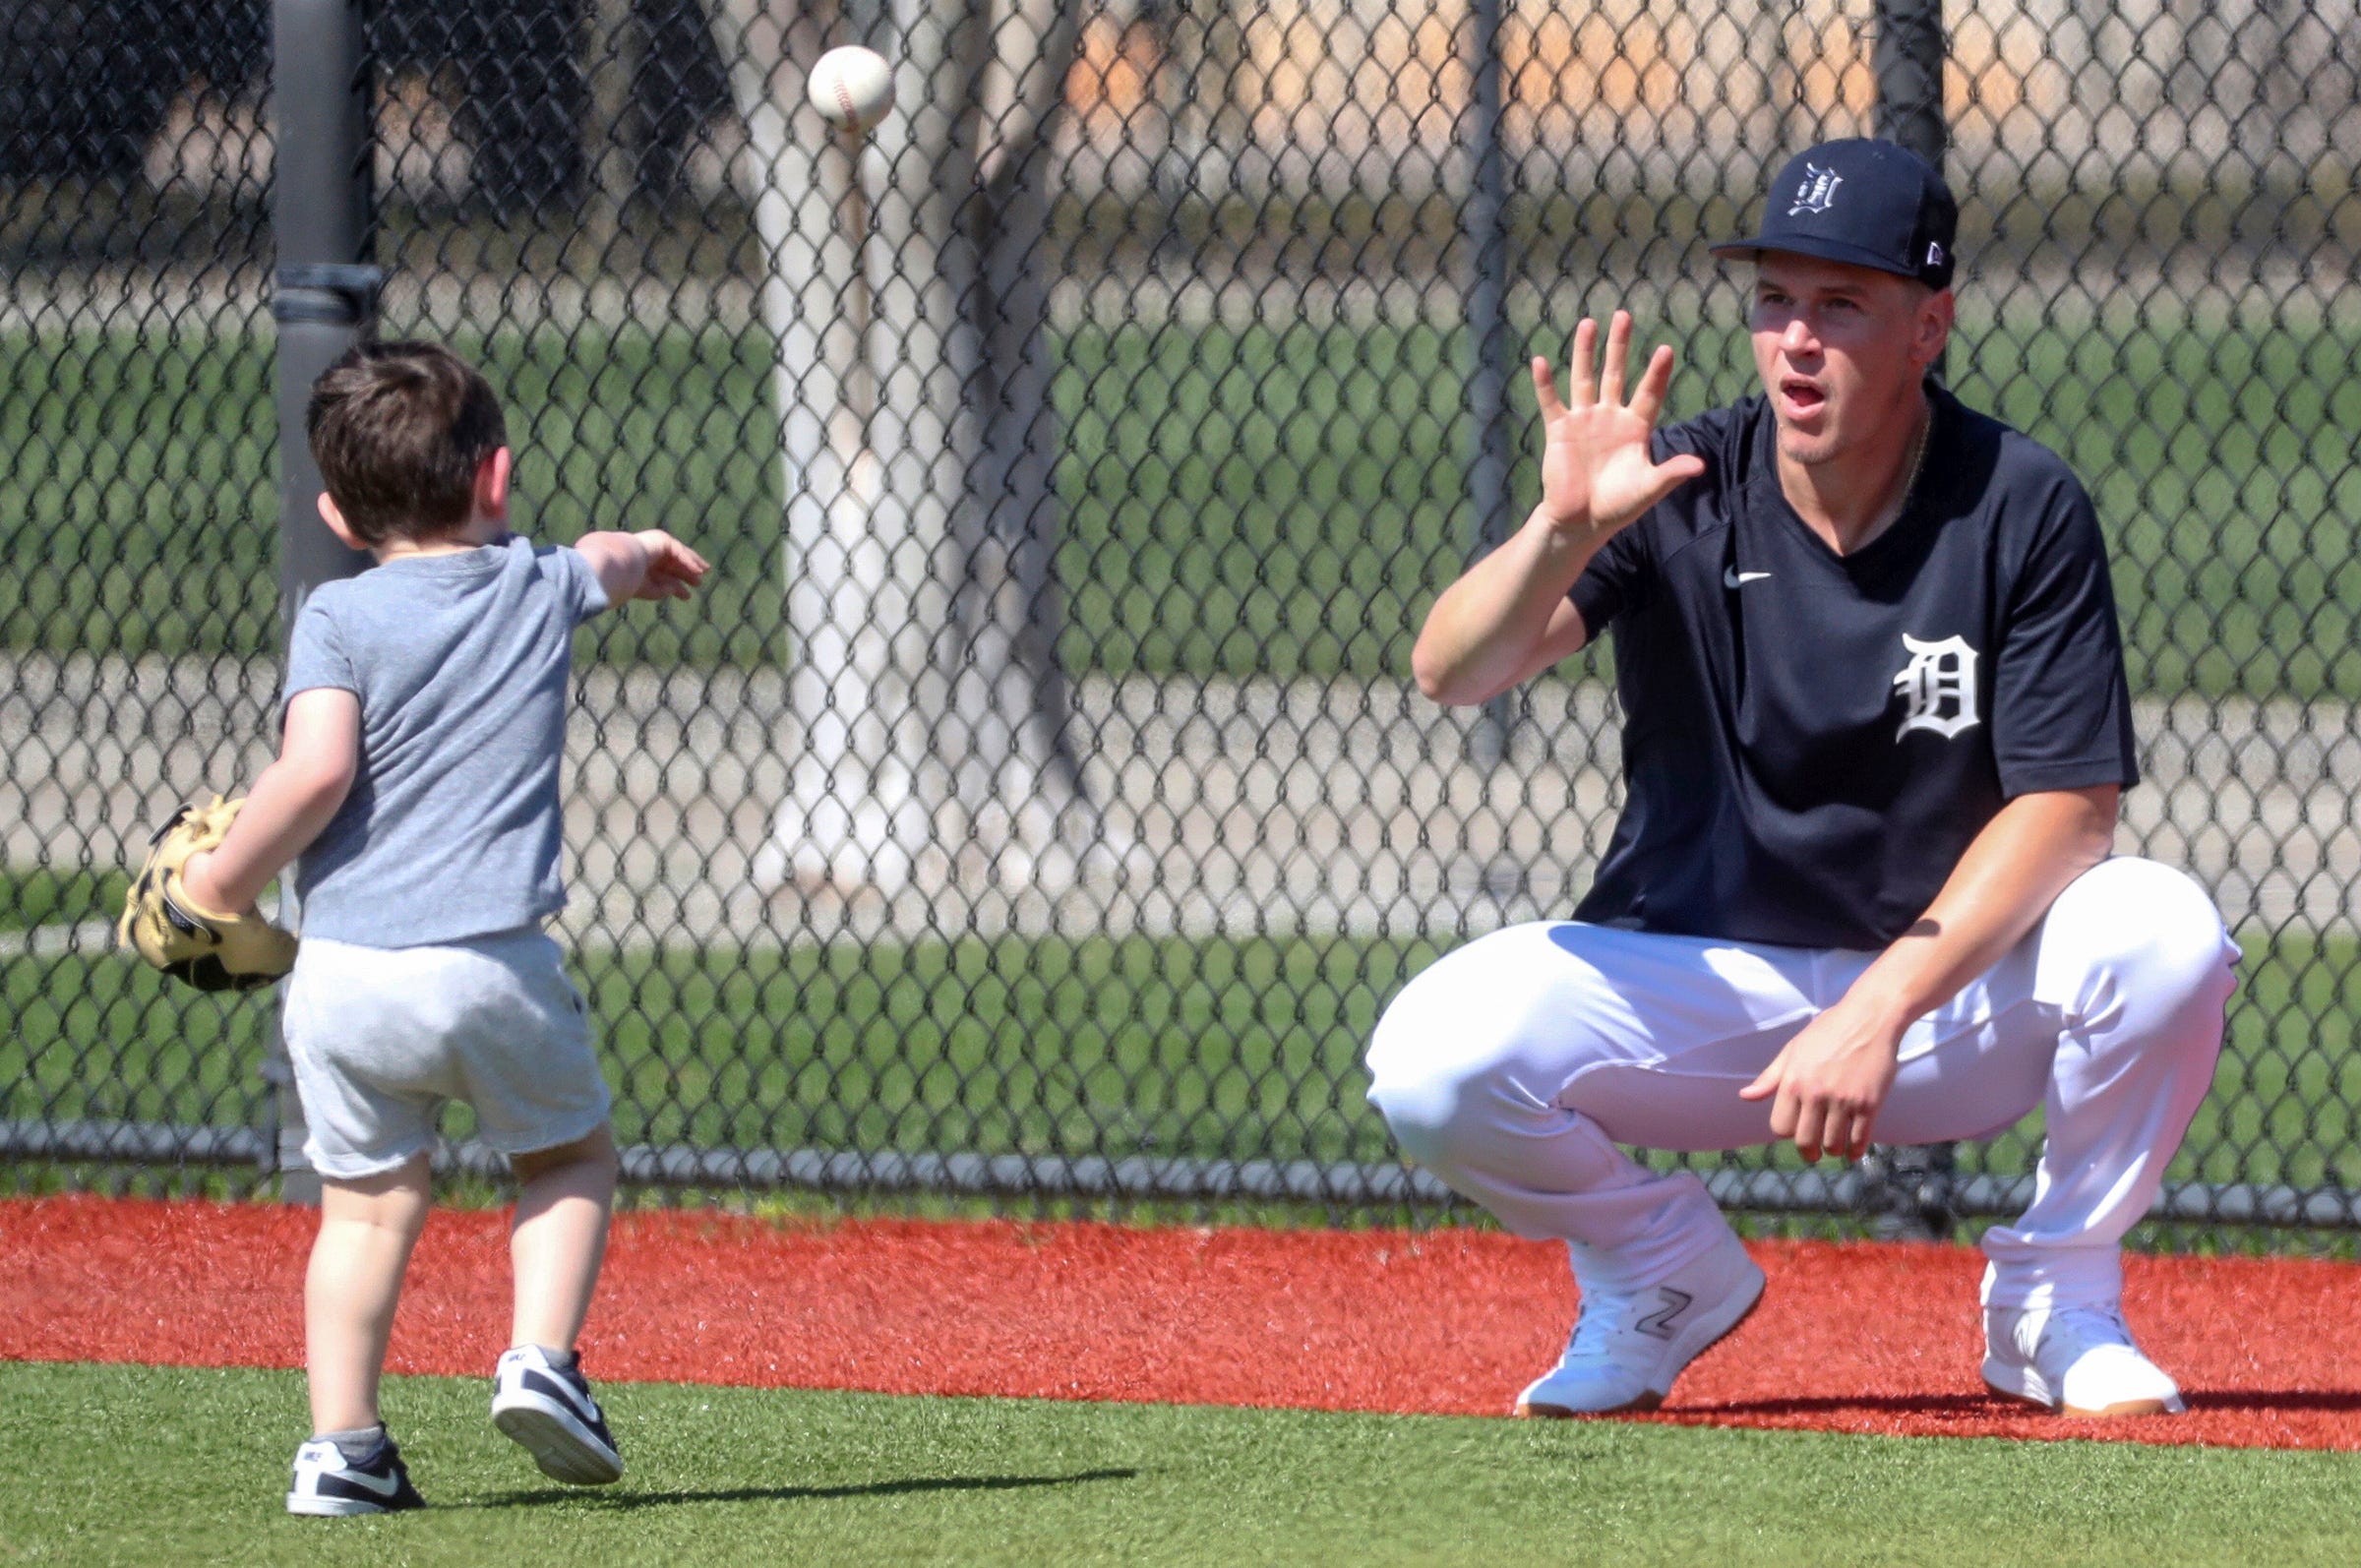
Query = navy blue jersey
x=1810 y=740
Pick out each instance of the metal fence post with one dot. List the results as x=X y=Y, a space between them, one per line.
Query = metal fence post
x=1908 y=1192
x=1485 y=232
x=1909 y=61
x=323 y=300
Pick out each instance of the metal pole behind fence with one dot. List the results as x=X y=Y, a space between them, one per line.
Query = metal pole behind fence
x=324 y=301
x=1911 y=1194
x=1485 y=232
x=1908 y=62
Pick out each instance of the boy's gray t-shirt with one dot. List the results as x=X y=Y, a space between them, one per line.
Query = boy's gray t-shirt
x=460 y=663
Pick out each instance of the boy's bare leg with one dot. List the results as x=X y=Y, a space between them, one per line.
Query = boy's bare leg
x=367 y=1228
x=560 y=1236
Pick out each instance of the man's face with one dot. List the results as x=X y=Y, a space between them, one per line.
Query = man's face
x=1841 y=349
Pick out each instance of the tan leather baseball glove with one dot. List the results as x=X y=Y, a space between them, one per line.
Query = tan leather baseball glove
x=208 y=950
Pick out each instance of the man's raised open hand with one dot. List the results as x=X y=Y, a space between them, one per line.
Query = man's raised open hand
x=1596 y=468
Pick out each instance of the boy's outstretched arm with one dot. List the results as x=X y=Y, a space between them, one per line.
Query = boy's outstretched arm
x=288 y=805
x=648 y=565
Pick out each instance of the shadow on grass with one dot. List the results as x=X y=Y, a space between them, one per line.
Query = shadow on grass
x=619 y=1501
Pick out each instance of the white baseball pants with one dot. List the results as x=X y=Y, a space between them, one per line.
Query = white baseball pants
x=1513 y=1066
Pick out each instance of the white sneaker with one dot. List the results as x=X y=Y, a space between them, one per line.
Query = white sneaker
x=1629 y=1346
x=549 y=1411
x=2079 y=1361
x=327 y=1485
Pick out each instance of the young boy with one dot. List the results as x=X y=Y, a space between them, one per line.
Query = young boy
x=416 y=790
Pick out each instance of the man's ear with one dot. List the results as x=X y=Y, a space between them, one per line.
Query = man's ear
x=334 y=516
x=1935 y=316
x=492 y=486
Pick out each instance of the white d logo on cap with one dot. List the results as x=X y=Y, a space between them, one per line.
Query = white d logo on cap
x=1817 y=193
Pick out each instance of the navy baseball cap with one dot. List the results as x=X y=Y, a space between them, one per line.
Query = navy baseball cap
x=1872 y=204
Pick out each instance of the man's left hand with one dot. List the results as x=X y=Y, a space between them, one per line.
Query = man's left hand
x=1831 y=1079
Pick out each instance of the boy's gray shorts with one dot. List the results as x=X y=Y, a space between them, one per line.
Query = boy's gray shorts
x=382 y=1037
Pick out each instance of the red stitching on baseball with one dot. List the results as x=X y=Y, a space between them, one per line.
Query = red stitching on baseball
x=845 y=103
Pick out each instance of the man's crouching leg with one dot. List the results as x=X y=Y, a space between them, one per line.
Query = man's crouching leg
x=1467 y=1065
x=2136 y=961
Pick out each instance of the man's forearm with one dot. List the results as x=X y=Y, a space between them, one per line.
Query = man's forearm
x=1487 y=628
x=2006 y=881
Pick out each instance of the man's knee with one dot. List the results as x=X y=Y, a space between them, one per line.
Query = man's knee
x=1414 y=1076
x=1437 y=1072
x=2136 y=928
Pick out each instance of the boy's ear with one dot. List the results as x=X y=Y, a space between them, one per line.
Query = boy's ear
x=334 y=517
x=492 y=486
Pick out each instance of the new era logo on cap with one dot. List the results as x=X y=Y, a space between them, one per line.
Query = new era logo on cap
x=1864 y=202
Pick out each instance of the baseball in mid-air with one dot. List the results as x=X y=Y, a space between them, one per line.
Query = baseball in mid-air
x=850 y=88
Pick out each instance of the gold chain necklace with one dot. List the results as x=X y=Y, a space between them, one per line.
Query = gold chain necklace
x=1901 y=502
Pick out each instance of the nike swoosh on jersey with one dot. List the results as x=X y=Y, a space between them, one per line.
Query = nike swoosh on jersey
x=1733 y=578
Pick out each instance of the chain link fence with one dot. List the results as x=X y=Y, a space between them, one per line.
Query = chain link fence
x=1036 y=806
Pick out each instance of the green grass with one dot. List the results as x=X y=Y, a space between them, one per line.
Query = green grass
x=1266 y=502
x=137 y=1465
x=43 y=897
x=1204 y=1048
x=1097 y=1046
x=1240 y=1048
x=2286 y=1102
x=1277 y=499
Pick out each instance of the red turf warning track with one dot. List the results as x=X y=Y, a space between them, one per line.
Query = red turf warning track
x=1852 y=1338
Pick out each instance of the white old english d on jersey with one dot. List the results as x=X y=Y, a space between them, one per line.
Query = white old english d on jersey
x=1937 y=687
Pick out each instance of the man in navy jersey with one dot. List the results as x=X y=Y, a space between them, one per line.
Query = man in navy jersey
x=1876 y=728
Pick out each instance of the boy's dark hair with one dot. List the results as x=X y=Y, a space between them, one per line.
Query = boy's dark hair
x=399 y=431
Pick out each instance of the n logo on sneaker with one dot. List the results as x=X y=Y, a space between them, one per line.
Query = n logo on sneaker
x=1659 y=1324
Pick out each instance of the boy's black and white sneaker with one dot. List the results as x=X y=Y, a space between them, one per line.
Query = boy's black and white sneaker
x=548 y=1408
x=328 y=1485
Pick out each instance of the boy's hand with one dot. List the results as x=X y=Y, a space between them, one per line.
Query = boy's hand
x=205 y=944
x=672 y=569
x=198 y=881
